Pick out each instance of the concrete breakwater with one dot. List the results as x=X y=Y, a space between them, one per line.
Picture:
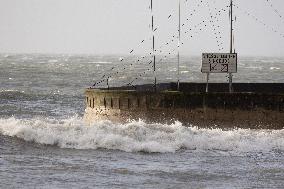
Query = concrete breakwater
x=250 y=107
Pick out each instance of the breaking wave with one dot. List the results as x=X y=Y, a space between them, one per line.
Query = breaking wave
x=139 y=136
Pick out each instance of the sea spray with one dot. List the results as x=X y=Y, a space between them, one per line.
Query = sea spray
x=139 y=136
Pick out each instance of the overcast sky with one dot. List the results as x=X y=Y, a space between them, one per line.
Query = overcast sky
x=118 y=26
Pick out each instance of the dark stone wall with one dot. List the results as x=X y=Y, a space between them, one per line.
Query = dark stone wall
x=213 y=87
x=249 y=108
x=271 y=88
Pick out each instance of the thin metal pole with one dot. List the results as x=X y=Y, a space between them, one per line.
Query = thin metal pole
x=231 y=44
x=207 y=84
x=179 y=39
x=154 y=54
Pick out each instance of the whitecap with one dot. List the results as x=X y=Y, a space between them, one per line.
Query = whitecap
x=183 y=72
x=52 y=61
x=254 y=67
x=139 y=136
x=100 y=62
x=274 y=68
x=11 y=91
x=27 y=58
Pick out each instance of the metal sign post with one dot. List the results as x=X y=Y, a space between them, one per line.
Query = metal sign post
x=153 y=48
x=231 y=45
x=207 y=83
x=221 y=62
x=178 y=55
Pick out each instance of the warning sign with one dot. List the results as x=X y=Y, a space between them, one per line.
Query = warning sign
x=219 y=63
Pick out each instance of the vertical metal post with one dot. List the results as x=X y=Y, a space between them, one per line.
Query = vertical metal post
x=207 y=83
x=178 y=55
x=231 y=44
x=154 y=54
x=108 y=83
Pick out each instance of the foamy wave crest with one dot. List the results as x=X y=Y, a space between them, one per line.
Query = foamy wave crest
x=139 y=136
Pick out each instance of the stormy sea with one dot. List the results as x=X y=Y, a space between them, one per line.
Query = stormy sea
x=44 y=142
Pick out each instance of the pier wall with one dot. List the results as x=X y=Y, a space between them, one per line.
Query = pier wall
x=215 y=109
x=267 y=88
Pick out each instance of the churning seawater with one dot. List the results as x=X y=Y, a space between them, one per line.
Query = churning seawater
x=45 y=144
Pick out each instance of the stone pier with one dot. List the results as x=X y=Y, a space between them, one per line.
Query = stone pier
x=250 y=109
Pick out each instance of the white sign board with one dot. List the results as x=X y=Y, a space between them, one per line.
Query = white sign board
x=219 y=63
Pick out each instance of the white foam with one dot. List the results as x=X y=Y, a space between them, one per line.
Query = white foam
x=52 y=61
x=139 y=136
x=183 y=72
x=11 y=90
x=100 y=62
x=254 y=67
x=274 y=68
x=27 y=58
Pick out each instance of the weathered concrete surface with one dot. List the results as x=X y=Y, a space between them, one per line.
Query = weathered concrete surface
x=210 y=110
x=267 y=88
